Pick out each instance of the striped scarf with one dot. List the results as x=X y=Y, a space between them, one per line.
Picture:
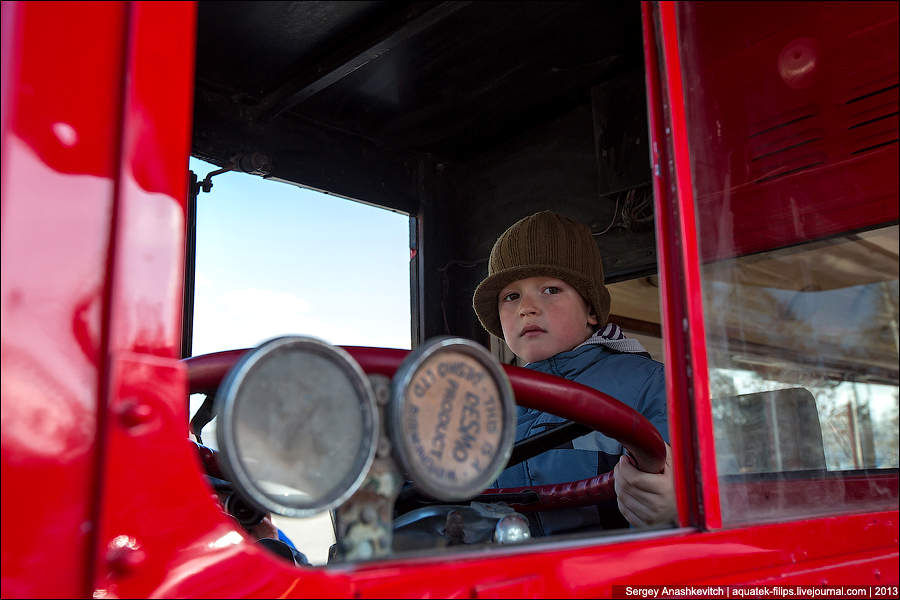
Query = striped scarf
x=612 y=337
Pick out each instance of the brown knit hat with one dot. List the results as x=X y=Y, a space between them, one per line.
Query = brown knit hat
x=544 y=243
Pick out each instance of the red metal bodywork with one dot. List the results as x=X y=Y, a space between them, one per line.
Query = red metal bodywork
x=60 y=142
x=685 y=234
x=840 y=183
x=102 y=496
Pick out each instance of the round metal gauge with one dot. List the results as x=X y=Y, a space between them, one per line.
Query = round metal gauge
x=452 y=418
x=297 y=426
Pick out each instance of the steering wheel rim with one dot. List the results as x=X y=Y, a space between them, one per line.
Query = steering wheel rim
x=532 y=389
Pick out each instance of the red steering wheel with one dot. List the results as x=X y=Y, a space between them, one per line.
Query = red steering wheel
x=540 y=391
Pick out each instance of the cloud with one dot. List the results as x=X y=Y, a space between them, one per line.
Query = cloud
x=246 y=317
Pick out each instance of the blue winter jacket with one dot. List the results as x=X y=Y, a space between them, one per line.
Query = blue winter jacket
x=633 y=379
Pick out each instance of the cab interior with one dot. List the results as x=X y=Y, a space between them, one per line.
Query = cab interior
x=464 y=115
x=467 y=116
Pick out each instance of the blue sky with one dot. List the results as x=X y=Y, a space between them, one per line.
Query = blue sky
x=276 y=259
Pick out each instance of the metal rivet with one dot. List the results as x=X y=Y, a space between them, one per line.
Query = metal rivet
x=134 y=413
x=124 y=554
x=384 y=447
x=382 y=395
x=368 y=515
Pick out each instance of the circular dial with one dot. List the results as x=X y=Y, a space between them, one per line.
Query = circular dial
x=452 y=418
x=297 y=426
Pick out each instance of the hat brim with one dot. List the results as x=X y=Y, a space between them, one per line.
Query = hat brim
x=484 y=300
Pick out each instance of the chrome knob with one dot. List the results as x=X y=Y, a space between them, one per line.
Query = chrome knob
x=512 y=529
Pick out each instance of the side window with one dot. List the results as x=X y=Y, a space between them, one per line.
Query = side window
x=792 y=124
x=275 y=259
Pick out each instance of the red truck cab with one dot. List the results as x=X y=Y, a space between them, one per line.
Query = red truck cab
x=736 y=162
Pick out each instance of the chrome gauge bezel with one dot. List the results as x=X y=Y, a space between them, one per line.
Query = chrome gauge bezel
x=229 y=394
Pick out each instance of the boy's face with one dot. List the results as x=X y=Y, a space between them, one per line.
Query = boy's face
x=543 y=316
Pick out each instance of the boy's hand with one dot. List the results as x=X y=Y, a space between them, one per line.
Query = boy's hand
x=645 y=498
x=264 y=529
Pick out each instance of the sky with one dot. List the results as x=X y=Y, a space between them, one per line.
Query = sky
x=277 y=259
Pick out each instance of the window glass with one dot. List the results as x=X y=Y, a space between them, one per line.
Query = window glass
x=792 y=125
x=275 y=259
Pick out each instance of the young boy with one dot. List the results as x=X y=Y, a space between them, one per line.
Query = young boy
x=544 y=295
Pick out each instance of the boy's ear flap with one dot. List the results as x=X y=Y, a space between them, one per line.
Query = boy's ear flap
x=592 y=317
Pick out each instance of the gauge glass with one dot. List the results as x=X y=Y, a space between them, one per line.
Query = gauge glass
x=300 y=426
